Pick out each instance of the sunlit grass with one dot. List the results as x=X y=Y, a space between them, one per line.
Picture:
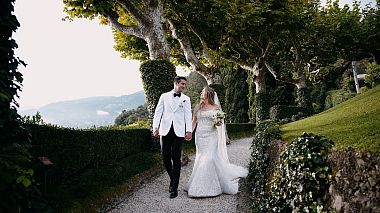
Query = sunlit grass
x=354 y=123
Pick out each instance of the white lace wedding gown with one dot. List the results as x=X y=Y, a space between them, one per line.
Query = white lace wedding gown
x=212 y=174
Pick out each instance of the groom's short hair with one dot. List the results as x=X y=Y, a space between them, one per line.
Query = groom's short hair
x=178 y=79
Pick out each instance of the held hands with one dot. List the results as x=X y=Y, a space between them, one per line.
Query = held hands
x=188 y=136
x=155 y=133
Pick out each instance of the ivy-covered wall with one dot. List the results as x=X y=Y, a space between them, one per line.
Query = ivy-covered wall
x=297 y=180
x=262 y=104
x=307 y=175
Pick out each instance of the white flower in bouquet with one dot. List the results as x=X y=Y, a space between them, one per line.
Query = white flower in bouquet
x=218 y=117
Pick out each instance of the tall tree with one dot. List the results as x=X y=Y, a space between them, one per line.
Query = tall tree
x=302 y=44
x=185 y=19
x=142 y=19
x=135 y=22
x=252 y=27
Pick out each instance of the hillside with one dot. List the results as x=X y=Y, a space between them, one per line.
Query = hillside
x=87 y=112
x=354 y=123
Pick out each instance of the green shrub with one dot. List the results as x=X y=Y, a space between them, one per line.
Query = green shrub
x=157 y=77
x=258 y=175
x=74 y=150
x=280 y=112
x=373 y=74
x=336 y=97
x=349 y=85
x=363 y=89
x=302 y=179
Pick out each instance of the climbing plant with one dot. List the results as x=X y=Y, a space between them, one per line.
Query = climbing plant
x=17 y=188
x=157 y=77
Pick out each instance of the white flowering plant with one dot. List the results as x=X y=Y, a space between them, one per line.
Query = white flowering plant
x=218 y=117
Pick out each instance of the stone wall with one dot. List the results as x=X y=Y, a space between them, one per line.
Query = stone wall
x=355 y=184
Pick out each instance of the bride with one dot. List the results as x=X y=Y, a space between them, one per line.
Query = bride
x=212 y=174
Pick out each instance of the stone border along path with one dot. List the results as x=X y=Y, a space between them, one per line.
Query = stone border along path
x=154 y=196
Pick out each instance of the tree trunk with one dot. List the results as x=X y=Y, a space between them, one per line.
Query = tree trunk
x=261 y=102
x=150 y=26
x=303 y=95
x=157 y=43
x=158 y=46
x=261 y=97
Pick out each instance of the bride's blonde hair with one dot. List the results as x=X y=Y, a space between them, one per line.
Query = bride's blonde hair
x=209 y=95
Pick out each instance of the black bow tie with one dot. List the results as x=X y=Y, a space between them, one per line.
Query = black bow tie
x=177 y=94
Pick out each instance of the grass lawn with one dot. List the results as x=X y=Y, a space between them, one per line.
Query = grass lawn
x=354 y=123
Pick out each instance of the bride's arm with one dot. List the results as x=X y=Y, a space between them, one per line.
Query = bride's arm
x=194 y=122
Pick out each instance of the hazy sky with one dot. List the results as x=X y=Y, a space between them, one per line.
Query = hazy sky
x=69 y=60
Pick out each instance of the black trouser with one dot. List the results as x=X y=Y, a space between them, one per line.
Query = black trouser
x=171 y=150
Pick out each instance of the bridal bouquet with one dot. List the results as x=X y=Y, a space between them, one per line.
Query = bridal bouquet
x=218 y=117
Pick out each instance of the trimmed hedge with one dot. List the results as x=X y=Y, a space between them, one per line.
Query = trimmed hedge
x=280 y=112
x=74 y=150
x=336 y=97
x=239 y=130
x=157 y=77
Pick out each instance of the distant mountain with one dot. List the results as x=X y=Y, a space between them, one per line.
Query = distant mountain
x=87 y=112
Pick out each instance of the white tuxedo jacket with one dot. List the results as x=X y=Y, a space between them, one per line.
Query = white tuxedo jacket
x=176 y=111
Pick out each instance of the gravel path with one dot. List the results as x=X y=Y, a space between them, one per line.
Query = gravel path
x=154 y=196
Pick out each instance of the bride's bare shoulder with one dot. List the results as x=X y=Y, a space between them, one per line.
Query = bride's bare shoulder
x=216 y=107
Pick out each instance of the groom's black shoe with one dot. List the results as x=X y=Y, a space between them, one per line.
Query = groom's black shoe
x=174 y=193
x=171 y=186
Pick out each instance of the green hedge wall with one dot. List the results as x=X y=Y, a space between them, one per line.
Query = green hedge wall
x=239 y=130
x=280 y=112
x=73 y=150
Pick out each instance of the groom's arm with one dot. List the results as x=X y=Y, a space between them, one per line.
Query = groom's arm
x=158 y=114
x=188 y=116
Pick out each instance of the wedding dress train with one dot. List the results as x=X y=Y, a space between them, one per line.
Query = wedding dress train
x=212 y=174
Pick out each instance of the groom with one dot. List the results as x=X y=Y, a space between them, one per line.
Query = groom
x=172 y=121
